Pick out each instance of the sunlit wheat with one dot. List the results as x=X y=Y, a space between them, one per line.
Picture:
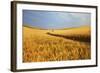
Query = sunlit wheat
x=38 y=46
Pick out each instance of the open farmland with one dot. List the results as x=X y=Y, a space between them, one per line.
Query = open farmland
x=58 y=45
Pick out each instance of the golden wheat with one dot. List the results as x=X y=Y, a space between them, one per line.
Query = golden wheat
x=38 y=46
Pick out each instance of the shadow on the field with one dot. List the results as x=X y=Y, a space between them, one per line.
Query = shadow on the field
x=80 y=38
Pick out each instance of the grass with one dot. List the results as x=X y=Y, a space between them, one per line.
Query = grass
x=39 y=46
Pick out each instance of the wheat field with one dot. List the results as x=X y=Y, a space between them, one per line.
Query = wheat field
x=57 y=45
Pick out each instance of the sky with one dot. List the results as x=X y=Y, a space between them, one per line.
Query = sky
x=55 y=19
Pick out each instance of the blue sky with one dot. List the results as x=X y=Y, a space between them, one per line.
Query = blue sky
x=55 y=19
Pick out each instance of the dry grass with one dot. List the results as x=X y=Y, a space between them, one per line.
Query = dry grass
x=38 y=46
